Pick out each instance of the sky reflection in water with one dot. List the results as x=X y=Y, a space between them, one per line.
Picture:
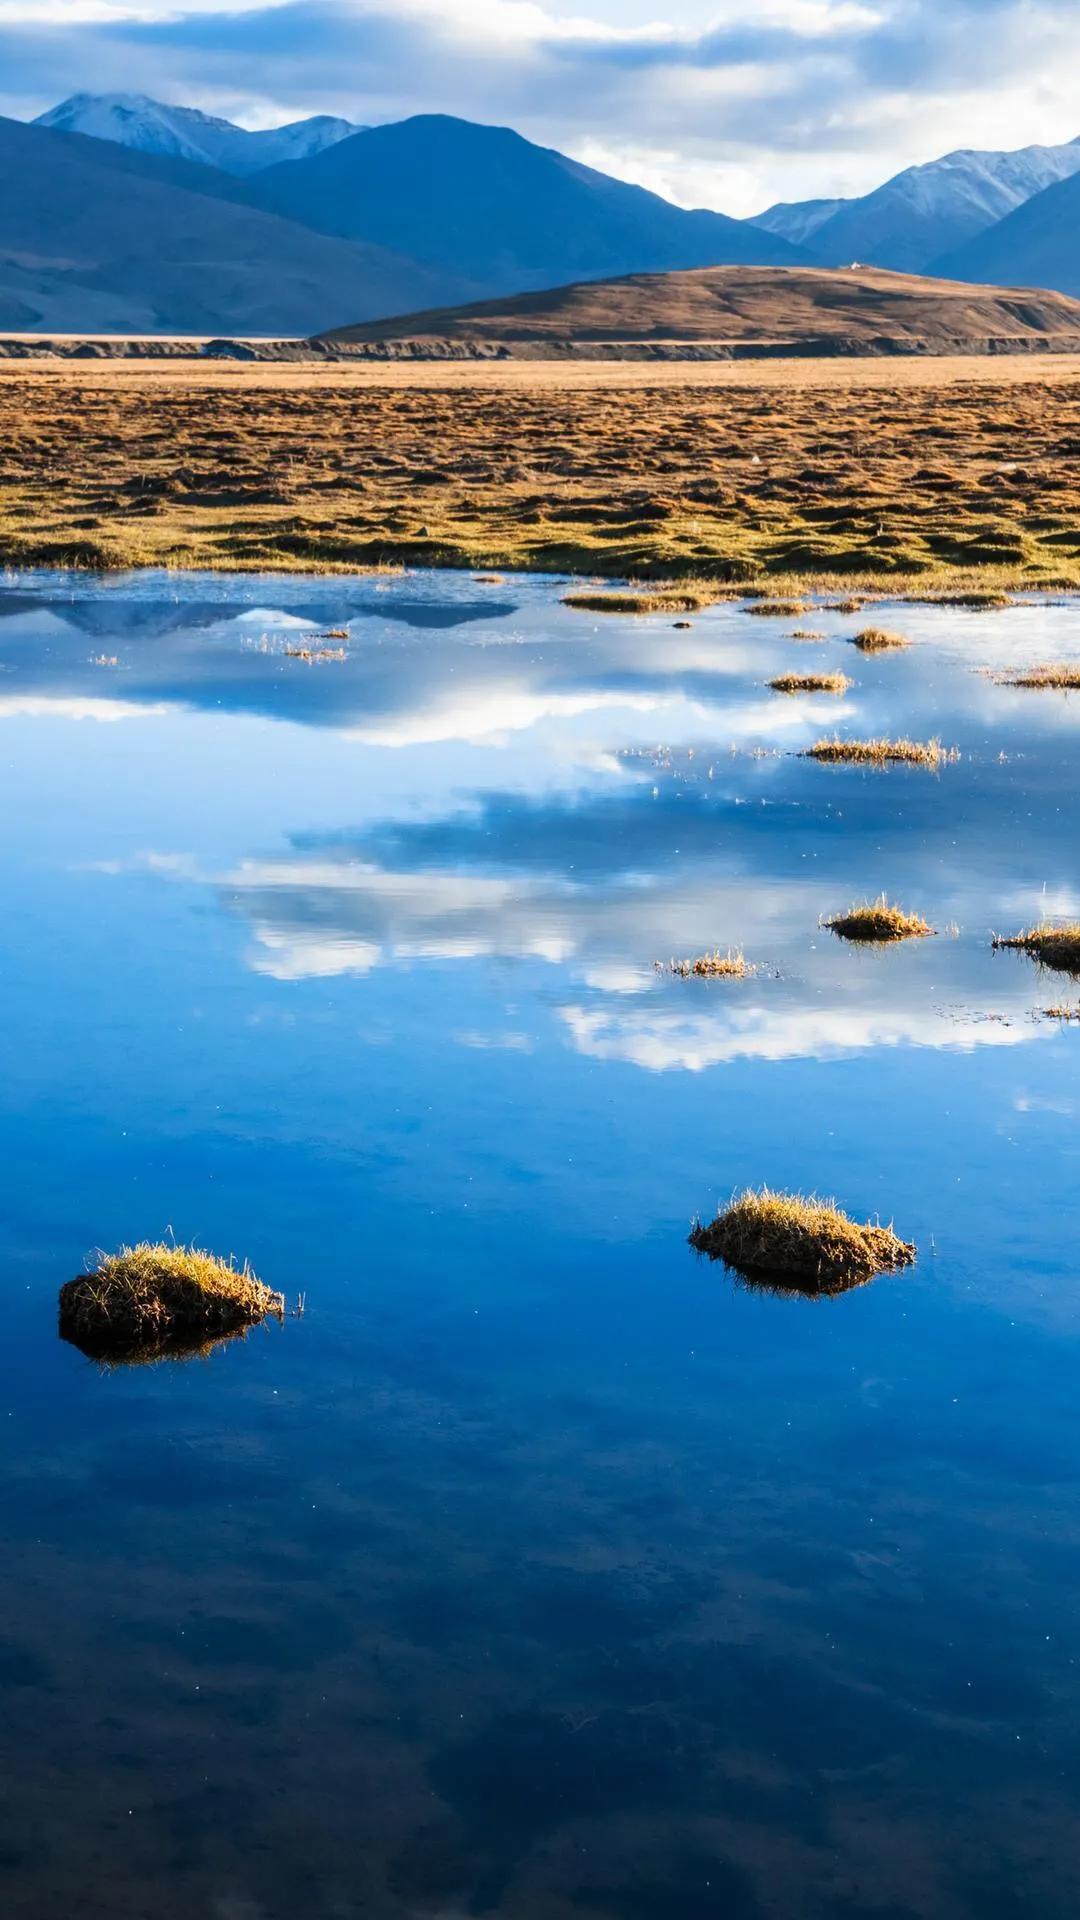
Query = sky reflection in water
x=538 y=1571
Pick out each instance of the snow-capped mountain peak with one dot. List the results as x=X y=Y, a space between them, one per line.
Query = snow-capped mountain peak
x=185 y=133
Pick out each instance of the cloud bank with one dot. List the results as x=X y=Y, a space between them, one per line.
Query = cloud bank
x=722 y=105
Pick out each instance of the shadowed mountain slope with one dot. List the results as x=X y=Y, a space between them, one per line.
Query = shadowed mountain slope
x=485 y=204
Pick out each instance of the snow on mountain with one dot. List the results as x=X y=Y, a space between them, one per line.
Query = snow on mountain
x=927 y=210
x=149 y=126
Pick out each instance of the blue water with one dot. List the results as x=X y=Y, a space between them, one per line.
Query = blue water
x=540 y=1569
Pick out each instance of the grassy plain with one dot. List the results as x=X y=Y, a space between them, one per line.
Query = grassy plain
x=919 y=476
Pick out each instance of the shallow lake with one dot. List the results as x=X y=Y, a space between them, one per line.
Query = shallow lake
x=540 y=1569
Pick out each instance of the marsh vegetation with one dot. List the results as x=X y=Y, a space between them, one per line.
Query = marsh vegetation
x=811 y=683
x=793 y=1237
x=878 y=922
x=1057 y=947
x=881 y=752
x=153 y=1297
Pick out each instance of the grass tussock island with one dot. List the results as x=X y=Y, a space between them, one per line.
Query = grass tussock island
x=852 y=478
x=1061 y=678
x=877 y=922
x=731 y=965
x=156 y=1298
x=787 y=1237
x=811 y=683
x=1063 y=1013
x=881 y=753
x=879 y=640
x=778 y=609
x=670 y=600
x=1055 y=947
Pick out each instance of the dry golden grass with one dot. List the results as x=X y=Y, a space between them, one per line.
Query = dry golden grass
x=777 y=609
x=1063 y=1012
x=731 y=965
x=685 y=600
x=878 y=921
x=149 y=1298
x=811 y=683
x=1056 y=947
x=851 y=476
x=881 y=753
x=879 y=640
x=1062 y=679
x=805 y=1242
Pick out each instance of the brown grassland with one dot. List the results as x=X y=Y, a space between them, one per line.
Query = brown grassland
x=928 y=477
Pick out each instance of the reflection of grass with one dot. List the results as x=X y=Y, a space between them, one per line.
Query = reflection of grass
x=731 y=965
x=787 y=1237
x=879 y=640
x=881 y=753
x=878 y=921
x=811 y=683
x=1056 y=947
x=146 y=1299
x=1064 y=678
x=789 y=476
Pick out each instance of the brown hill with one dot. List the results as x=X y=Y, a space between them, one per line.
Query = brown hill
x=734 y=311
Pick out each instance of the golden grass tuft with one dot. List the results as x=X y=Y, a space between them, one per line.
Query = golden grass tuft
x=878 y=921
x=881 y=753
x=155 y=1297
x=731 y=965
x=1063 y=1013
x=778 y=609
x=1064 y=679
x=669 y=600
x=843 y=606
x=803 y=1241
x=1056 y=947
x=879 y=640
x=811 y=683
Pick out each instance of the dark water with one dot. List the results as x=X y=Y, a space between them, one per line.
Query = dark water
x=539 y=1570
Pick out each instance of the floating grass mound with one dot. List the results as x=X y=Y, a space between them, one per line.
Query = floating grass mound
x=670 y=600
x=156 y=1298
x=712 y=966
x=878 y=921
x=778 y=609
x=811 y=683
x=1063 y=1012
x=881 y=753
x=806 y=633
x=879 y=640
x=804 y=1243
x=1057 y=947
x=1064 y=679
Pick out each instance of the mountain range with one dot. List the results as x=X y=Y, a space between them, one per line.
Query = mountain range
x=925 y=214
x=121 y=214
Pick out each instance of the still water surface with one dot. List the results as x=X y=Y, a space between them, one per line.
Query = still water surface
x=540 y=1570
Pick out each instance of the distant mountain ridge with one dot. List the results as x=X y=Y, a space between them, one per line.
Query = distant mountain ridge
x=1038 y=244
x=149 y=126
x=484 y=202
x=97 y=238
x=925 y=212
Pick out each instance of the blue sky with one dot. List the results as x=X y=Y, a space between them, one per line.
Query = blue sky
x=730 y=104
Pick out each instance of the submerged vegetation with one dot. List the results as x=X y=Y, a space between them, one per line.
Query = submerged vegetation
x=732 y=965
x=882 y=752
x=1060 y=678
x=1055 y=947
x=879 y=640
x=157 y=1298
x=811 y=683
x=802 y=1241
x=878 y=921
